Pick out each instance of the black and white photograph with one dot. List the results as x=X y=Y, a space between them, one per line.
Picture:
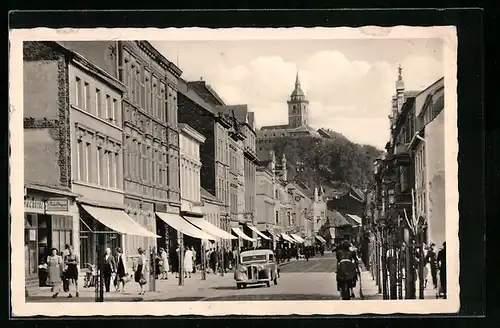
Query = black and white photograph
x=224 y=171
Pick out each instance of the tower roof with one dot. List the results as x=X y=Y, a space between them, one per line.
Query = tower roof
x=297 y=92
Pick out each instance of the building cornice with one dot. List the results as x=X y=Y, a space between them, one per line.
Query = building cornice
x=191 y=132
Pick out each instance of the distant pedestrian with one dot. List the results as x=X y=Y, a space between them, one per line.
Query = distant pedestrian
x=441 y=260
x=194 y=259
x=431 y=260
x=109 y=268
x=65 y=279
x=188 y=263
x=72 y=265
x=121 y=270
x=140 y=270
x=55 y=265
x=164 y=264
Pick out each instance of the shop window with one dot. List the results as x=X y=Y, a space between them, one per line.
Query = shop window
x=62 y=231
x=30 y=244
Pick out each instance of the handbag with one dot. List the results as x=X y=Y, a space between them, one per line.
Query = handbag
x=142 y=281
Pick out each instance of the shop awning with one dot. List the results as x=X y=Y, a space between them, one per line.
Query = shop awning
x=356 y=218
x=180 y=224
x=240 y=234
x=321 y=239
x=299 y=239
x=288 y=238
x=272 y=234
x=118 y=221
x=259 y=233
x=209 y=228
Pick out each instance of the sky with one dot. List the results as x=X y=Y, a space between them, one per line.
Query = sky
x=348 y=82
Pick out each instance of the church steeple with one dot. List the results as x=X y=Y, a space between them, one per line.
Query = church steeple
x=298 y=106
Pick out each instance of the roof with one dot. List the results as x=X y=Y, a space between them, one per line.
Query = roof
x=337 y=220
x=207 y=92
x=297 y=92
x=358 y=193
x=274 y=127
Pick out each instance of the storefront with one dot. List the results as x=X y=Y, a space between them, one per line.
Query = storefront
x=242 y=237
x=106 y=227
x=48 y=222
x=263 y=240
x=180 y=232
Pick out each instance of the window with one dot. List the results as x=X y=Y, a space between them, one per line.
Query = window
x=158 y=94
x=163 y=116
x=62 y=227
x=132 y=81
x=79 y=158
x=86 y=97
x=98 y=104
x=143 y=92
x=116 y=112
x=86 y=160
x=108 y=108
x=154 y=108
x=98 y=164
x=138 y=84
x=79 y=93
x=114 y=170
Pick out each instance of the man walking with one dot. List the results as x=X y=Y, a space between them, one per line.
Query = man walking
x=431 y=258
x=108 y=269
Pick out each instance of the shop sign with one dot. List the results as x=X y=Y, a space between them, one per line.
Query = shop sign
x=57 y=205
x=34 y=206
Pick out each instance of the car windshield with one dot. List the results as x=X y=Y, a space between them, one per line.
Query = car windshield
x=252 y=258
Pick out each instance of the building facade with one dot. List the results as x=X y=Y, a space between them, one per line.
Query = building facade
x=301 y=206
x=427 y=147
x=151 y=138
x=197 y=107
x=73 y=150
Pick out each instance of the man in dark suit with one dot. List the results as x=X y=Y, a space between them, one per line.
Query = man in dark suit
x=108 y=268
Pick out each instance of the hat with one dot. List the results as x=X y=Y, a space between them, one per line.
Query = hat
x=140 y=250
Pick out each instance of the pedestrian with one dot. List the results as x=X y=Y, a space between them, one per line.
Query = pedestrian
x=213 y=261
x=194 y=259
x=65 y=279
x=175 y=262
x=441 y=261
x=188 y=263
x=164 y=264
x=140 y=270
x=72 y=264
x=431 y=260
x=121 y=271
x=55 y=266
x=108 y=269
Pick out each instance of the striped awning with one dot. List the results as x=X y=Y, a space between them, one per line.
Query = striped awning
x=321 y=239
x=288 y=238
x=299 y=239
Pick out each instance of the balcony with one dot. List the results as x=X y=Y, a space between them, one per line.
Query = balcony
x=401 y=156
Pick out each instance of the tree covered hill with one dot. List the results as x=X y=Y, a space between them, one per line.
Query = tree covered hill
x=335 y=162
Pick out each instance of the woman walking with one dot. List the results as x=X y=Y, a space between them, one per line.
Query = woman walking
x=72 y=263
x=188 y=263
x=140 y=276
x=55 y=266
x=120 y=270
x=164 y=265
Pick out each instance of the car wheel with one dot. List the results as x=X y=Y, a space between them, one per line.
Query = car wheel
x=278 y=272
x=239 y=286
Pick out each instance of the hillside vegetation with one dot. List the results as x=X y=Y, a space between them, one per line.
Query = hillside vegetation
x=335 y=162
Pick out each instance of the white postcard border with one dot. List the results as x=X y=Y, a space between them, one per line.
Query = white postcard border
x=21 y=308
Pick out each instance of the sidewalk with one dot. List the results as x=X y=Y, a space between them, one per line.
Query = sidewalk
x=164 y=289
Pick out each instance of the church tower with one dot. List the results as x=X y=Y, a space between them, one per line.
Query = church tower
x=298 y=107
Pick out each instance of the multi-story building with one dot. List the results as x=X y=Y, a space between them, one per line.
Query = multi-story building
x=427 y=147
x=245 y=120
x=264 y=202
x=301 y=212
x=197 y=107
x=73 y=138
x=150 y=138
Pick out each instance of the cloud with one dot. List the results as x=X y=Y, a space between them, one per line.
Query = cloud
x=352 y=97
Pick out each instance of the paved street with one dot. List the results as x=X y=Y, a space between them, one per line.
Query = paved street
x=299 y=280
